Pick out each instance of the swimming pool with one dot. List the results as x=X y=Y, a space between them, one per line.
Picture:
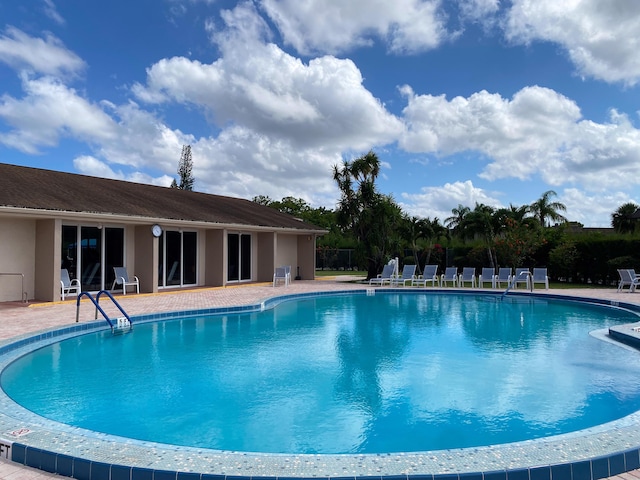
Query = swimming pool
x=473 y=460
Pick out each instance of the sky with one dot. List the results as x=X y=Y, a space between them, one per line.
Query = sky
x=463 y=101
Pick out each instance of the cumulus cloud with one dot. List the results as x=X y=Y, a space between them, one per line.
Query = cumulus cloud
x=320 y=26
x=437 y=201
x=50 y=110
x=46 y=55
x=537 y=132
x=89 y=165
x=259 y=86
x=590 y=210
x=600 y=38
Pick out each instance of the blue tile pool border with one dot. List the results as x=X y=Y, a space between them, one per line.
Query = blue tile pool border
x=27 y=439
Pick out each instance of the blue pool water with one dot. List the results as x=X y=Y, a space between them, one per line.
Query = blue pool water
x=342 y=374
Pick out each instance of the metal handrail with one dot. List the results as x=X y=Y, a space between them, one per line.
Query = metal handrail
x=96 y=303
x=526 y=273
x=108 y=294
x=24 y=293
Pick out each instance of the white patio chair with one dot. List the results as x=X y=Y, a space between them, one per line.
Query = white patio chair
x=523 y=275
x=385 y=276
x=540 y=276
x=450 y=275
x=488 y=275
x=281 y=275
x=122 y=279
x=68 y=286
x=408 y=275
x=504 y=276
x=468 y=275
x=628 y=277
x=430 y=275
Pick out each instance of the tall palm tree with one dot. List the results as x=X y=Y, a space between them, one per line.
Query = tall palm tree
x=623 y=220
x=544 y=209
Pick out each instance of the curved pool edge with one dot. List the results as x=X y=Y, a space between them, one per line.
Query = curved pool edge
x=28 y=439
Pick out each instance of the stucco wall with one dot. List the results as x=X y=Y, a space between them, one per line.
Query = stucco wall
x=287 y=252
x=17 y=255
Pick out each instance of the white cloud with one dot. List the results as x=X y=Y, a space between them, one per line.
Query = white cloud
x=591 y=210
x=46 y=56
x=537 y=132
x=601 y=38
x=48 y=111
x=334 y=26
x=88 y=165
x=51 y=11
x=439 y=201
x=478 y=9
x=259 y=86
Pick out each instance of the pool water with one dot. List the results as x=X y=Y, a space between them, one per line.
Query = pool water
x=342 y=374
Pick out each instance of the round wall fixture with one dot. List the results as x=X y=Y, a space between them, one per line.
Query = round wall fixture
x=156 y=230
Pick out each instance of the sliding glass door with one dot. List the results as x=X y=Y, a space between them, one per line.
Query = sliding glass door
x=90 y=253
x=178 y=259
x=238 y=257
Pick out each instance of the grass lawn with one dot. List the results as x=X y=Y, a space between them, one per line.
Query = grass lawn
x=334 y=273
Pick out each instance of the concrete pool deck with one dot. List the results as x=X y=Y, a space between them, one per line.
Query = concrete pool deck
x=18 y=320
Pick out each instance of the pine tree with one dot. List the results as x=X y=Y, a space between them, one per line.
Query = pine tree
x=185 y=168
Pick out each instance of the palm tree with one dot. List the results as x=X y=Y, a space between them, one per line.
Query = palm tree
x=456 y=221
x=544 y=209
x=371 y=217
x=623 y=220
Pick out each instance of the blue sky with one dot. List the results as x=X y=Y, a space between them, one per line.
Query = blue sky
x=464 y=101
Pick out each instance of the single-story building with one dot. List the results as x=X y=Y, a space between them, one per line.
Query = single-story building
x=167 y=237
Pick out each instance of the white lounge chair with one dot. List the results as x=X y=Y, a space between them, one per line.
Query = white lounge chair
x=122 y=279
x=430 y=275
x=540 y=276
x=504 y=276
x=282 y=275
x=68 y=286
x=488 y=275
x=408 y=275
x=385 y=276
x=628 y=277
x=450 y=275
x=468 y=275
x=523 y=275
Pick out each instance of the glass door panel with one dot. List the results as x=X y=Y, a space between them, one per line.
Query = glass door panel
x=233 y=257
x=173 y=256
x=91 y=258
x=70 y=250
x=189 y=257
x=245 y=257
x=113 y=253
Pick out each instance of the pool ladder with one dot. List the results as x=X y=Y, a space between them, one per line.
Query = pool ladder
x=515 y=279
x=122 y=324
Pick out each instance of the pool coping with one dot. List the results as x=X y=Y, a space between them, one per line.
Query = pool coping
x=598 y=452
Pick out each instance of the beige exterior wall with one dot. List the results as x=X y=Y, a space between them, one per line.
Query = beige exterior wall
x=17 y=255
x=287 y=252
x=47 y=260
x=32 y=247
x=306 y=249
x=266 y=244
x=215 y=268
x=144 y=262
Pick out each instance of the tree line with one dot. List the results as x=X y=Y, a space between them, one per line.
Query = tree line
x=374 y=225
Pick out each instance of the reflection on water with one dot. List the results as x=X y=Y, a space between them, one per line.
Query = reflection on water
x=383 y=373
